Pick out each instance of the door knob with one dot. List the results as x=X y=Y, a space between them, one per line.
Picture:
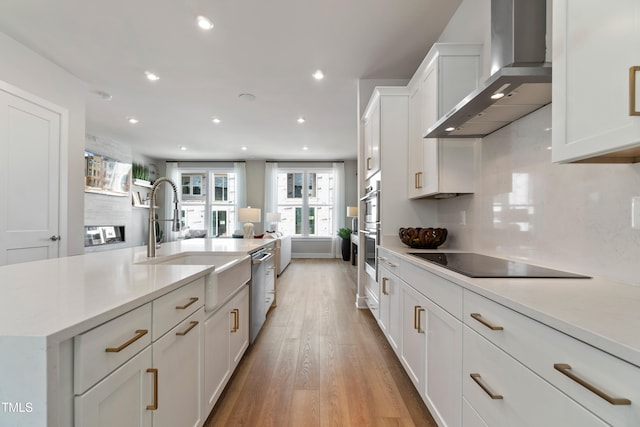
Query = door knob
x=54 y=238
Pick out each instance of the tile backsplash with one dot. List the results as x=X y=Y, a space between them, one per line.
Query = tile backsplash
x=575 y=217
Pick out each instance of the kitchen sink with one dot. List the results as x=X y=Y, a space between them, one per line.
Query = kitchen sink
x=232 y=270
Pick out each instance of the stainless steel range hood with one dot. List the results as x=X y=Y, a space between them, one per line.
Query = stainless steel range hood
x=522 y=82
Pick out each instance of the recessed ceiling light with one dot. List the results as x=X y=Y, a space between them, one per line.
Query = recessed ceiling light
x=247 y=97
x=152 y=76
x=243 y=148
x=132 y=120
x=318 y=75
x=451 y=129
x=547 y=129
x=301 y=120
x=305 y=148
x=183 y=148
x=204 y=22
x=216 y=120
x=497 y=95
x=103 y=95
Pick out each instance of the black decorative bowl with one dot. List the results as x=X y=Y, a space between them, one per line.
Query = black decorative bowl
x=423 y=238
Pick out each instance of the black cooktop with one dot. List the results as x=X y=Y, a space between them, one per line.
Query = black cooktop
x=482 y=266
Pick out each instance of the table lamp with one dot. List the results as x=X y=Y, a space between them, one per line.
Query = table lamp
x=352 y=212
x=273 y=218
x=248 y=215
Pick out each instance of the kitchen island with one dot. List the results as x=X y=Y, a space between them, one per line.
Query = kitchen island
x=45 y=304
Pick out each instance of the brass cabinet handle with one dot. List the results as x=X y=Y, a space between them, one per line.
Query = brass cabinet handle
x=139 y=334
x=632 y=91
x=369 y=163
x=191 y=301
x=418 y=179
x=154 y=406
x=416 y=318
x=478 y=380
x=489 y=325
x=384 y=285
x=235 y=313
x=565 y=369
x=186 y=331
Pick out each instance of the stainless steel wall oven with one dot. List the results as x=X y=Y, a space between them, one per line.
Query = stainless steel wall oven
x=371 y=229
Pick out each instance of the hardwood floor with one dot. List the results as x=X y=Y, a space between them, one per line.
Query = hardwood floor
x=319 y=361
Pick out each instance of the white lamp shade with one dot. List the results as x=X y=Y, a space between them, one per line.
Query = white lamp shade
x=249 y=214
x=274 y=216
x=352 y=211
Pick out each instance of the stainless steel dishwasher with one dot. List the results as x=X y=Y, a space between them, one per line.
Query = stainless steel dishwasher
x=261 y=260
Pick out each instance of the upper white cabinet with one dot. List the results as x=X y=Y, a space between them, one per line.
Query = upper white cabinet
x=437 y=167
x=372 y=139
x=595 y=46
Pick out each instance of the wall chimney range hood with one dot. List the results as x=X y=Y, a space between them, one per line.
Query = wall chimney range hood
x=521 y=79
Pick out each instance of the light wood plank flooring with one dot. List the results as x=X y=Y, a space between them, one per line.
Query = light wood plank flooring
x=319 y=361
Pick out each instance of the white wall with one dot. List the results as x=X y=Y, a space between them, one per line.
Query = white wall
x=574 y=217
x=32 y=73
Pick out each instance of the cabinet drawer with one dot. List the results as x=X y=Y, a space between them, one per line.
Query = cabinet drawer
x=520 y=398
x=172 y=308
x=446 y=294
x=541 y=348
x=106 y=347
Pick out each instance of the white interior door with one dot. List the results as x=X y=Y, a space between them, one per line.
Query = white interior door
x=29 y=179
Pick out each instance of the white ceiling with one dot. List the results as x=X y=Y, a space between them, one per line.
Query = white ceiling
x=268 y=48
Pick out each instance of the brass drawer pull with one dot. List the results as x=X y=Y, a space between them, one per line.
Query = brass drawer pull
x=479 y=318
x=632 y=91
x=191 y=301
x=369 y=163
x=384 y=285
x=419 y=180
x=186 y=331
x=416 y=318
x=478 y=380
x=154 y=406
x=139 y=334
x=236 y=323
x=565 y=369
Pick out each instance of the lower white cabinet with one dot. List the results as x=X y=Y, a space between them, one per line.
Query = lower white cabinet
x=390 y=320
x=504 y=392
x=413 y=346
x=443 y=377
x=177 y=358
x=120 y=399
x=226 y=339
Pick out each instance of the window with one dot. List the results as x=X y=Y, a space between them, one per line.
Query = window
x=305 y=200
x=209 y=203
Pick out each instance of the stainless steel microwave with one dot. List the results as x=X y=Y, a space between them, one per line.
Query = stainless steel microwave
x=371 y=204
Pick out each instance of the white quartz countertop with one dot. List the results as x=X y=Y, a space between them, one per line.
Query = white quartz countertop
x=600 y=312
x=61 y=297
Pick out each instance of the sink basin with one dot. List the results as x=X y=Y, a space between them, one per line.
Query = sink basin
x=232 y=271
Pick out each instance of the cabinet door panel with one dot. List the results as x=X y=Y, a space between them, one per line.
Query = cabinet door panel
x=121 y=398
x=238 y=333
x=216 y=355
x=413 y=335
x=595 y=44
x=177 y=356
x=443 y=379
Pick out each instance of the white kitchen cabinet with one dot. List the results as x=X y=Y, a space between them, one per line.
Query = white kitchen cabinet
x=505 y=393
x=121 y=399
x=226 y=339
x=384 y=125
x=595 y=44
x=178 y=358
x=413 y=342
x=547 y=352
x=443 y=377
x=371 y=124
x=441 y=167
x=390 y=316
